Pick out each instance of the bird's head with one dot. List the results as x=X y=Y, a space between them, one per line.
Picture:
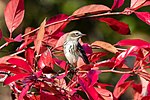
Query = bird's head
x=75 y=35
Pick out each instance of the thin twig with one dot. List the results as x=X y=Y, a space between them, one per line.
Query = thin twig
x=117 y=71
x=16 y=53
x=113 y=71
x=121 y=49
x=2 y=46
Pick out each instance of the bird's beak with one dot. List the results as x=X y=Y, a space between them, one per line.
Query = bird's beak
x=83 y=35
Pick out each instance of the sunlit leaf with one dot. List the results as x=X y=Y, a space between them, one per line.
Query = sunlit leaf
x=136 y=3
x=57 y=26
x=60 y=42
x=107 y=95
x=90 y=9
x=46 y=60
x=105 y=45
x=14 y=14
x=40 y=36
x=94 y=57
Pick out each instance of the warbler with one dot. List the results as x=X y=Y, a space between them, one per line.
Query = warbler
x=73 y=49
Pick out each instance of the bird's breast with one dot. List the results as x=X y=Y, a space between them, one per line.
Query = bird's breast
x=70 y=51
x=70 y=46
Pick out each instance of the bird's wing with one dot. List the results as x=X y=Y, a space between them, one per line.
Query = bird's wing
x=82 y=53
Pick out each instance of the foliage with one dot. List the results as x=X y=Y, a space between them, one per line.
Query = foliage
x=43 y=74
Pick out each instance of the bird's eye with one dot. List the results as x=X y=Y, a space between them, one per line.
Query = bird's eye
x=76 y=34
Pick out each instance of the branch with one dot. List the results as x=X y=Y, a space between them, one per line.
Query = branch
x=116 y=71
x=72 y=19
x=111 y=70
x=2 y=46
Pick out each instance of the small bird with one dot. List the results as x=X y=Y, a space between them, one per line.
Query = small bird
x=73 y=49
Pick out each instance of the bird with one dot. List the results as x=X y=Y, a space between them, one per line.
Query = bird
x=73 y=49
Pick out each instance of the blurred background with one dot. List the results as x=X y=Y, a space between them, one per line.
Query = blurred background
x=37 y=10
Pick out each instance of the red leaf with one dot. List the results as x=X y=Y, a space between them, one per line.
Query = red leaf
x=47 y=96
x=60 y=42
x=144 y=83
x=18 y=38
x=46 y=60
x=9 y=40
x=90 y=91
x=136 y=3
x=14 y=78
x=14 y=14
x=145 y=98
x=121 y=57
x=148 y=89
x=118 y=90
x=117 y=4
x=106 y=95
x=38 y=74
x=26 y=33
x=105 y=45
x=23 y=45
x=51 y=40
x=57 y=26
x=93 y=76
x=137 y=87
x=76 y=97
x=147 y=3
x=8 y=67
x=64 y=74
x=87 y=48
x=5 y=58
x=60 y=63
x=40 y=36
x=1 y=34
x=96 y=56
x=122 y=88
x=86 y=67
x=90 y=9
x=27 y=38
x=80 y=62
x=20 y=63
x=144 y=74
x=123 y=78
x=144 y=16
x=116 y=25
x=103 y=85
x=134 y=42
x=29 y=55
x=24 y=91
